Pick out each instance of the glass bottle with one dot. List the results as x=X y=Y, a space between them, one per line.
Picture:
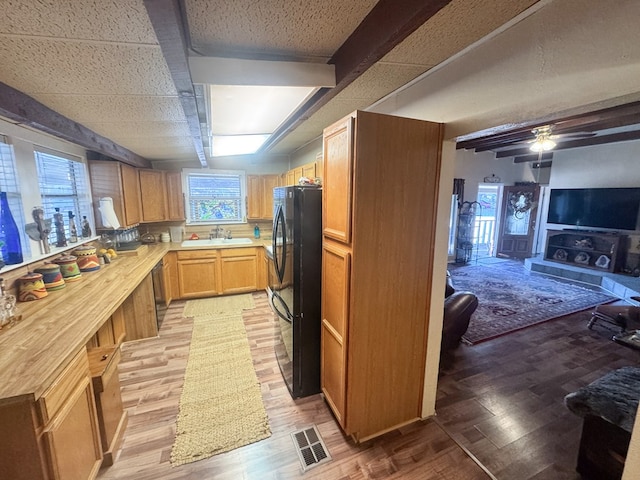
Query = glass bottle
x=9 y=235
x=86 y=228
x=58 y=220
x=73 y=231
x=7 y=305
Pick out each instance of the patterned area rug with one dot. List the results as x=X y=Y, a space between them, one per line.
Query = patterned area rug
x=221 y=404
x=511 y=298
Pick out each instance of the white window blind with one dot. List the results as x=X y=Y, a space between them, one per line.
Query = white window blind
x=63 y=184
x=9 y=183
x=215 y=196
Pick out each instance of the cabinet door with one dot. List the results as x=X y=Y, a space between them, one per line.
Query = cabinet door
x=170 y=271
x=131 y=193
x=119 y=182
x=254 y=197
x=239 y=268
x=140 y=312
x=152 y=190
x=336 y=266
x=290 y=178
x=337 y=184
x=309 y=170
x=197 y=278
x=268 y=183
x=175 y=198
x=73 y=437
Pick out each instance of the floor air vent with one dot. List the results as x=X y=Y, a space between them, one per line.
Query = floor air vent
x=310 y=447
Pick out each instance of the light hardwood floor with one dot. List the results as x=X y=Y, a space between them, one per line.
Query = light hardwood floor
x=152 y=373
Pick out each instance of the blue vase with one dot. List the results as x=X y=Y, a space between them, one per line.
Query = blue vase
x=9 y=235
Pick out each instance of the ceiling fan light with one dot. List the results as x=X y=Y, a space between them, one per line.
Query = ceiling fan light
x=548 y=144
x=542 y=144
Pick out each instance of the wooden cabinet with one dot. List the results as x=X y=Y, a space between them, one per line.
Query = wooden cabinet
x=380 y=191
x=600 y=251
x=263 y=269
x=139 y=311
x=120 y=182
x=239 y=270
x=112 y=418
x=170 y=277
x=338 y=181
x=153 y=193
x=175 y=197
x=112 y=332
x=335 y=315
x=260 y=196
x=197 y=273
x=71 y=429
x=310 y=170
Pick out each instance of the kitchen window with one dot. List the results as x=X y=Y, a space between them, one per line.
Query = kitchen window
x=215 y=196
x=9 y=183
x=64 y=185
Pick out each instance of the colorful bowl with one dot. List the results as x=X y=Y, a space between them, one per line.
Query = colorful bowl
x=51 y=276
x=69 y=268
x=31 y=287
x=87 y=258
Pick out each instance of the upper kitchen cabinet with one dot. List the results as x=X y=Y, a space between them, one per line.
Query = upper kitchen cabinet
x=120 y=182
x=154 y=198
x=380 y=190
x=260 y=196
x=175 y=197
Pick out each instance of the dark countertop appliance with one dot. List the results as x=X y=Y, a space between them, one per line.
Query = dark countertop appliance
x=295 y=293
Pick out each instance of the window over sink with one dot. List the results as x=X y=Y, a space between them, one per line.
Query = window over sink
x=215 y=196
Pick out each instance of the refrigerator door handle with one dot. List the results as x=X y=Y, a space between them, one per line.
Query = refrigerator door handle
x=279 y=223
x=285 y=316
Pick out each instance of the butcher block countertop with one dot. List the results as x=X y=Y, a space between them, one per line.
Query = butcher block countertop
x=52 y=330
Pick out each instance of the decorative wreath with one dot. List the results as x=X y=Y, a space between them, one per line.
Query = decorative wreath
x=521 y=203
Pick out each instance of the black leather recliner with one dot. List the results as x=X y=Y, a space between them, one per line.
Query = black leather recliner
x=458 y=307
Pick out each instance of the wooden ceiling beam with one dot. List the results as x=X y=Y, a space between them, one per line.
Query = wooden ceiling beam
x=582 y=142
x=505 y=135
x=388 y=23
x=25 y=110
x=167 y=20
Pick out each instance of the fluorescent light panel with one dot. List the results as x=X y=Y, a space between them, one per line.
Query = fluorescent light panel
x=249 y=112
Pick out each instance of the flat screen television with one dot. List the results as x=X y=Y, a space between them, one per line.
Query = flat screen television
x=612 y=208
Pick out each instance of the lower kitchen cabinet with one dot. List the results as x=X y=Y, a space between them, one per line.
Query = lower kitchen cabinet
x=140 y=312
x=239 y=270
x=56 y=437
x=170 y=276
x=112 y=418
x=197 y=273
x=335 y=308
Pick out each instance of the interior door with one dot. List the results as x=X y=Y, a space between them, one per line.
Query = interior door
x=518 y=221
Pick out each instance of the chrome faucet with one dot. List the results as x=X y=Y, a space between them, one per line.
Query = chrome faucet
x=215 y=233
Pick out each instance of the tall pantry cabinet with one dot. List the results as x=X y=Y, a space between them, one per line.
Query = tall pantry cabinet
x=380 y=192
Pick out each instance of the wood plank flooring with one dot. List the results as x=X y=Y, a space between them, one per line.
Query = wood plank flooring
x=503 y=399
x=152 y=372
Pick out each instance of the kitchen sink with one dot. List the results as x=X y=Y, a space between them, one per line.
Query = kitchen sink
x=215 y=242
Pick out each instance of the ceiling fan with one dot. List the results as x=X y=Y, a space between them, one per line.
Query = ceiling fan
x=545 y=140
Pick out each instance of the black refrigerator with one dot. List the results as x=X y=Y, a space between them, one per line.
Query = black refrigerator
x=295 y=294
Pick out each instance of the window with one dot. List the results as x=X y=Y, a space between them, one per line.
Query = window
x=9 y=183
x=63 y=184
x=215 y=196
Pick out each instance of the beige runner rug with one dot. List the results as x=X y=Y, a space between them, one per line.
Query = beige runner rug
x=221 y=405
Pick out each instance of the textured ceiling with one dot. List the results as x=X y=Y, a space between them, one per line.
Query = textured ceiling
x=99 y=63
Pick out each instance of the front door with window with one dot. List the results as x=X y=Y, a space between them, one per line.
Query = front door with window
x=517 y=225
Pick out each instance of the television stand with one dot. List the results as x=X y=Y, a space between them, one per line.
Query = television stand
x=581 y=248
